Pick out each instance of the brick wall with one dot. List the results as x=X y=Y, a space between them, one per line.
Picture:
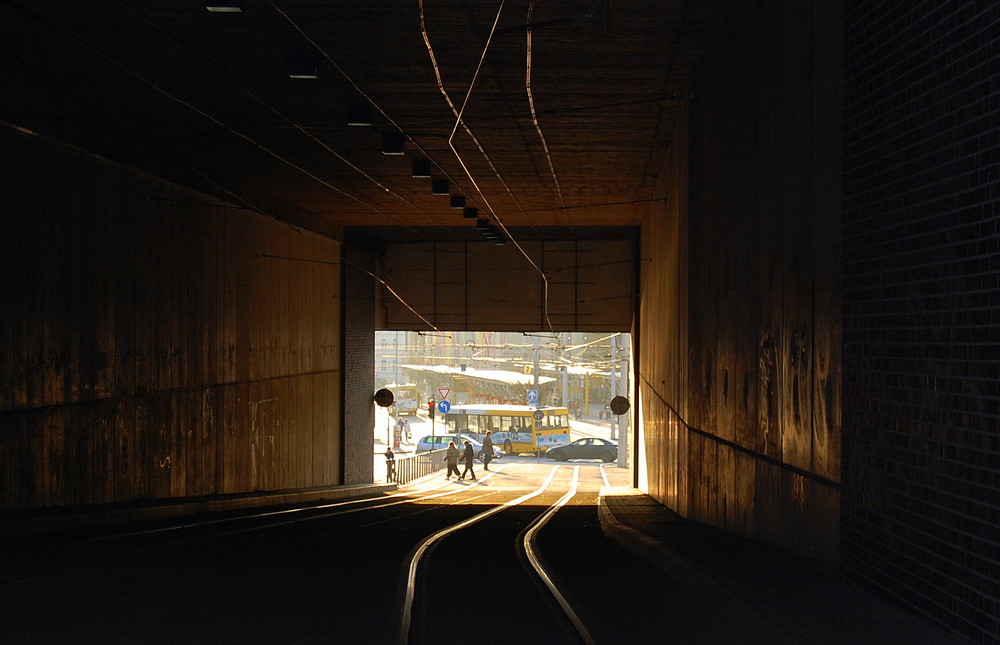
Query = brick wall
x=921 y=494
x=359 y=365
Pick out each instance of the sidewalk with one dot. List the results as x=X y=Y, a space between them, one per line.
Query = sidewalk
x=775 y=596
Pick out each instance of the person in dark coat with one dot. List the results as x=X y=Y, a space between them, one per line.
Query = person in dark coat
x=468 y=456
x=487 y=449
x=451 y=460
x=390 y=465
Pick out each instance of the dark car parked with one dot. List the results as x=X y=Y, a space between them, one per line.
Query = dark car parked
x=587 y=448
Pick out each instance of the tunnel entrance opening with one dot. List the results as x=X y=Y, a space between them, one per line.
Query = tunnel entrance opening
x=535 y=390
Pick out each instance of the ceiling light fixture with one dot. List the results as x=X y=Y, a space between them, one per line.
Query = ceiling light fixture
x=302 y=64
x=421 y=169
x=440 y=187
x=392 y=143
x=458 y=202
x=225 y=7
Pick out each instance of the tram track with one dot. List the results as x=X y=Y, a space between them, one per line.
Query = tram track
x=122 y=544
x=529 y=581
x=338 y=572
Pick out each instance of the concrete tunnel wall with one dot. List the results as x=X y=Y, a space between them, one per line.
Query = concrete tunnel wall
x=817 y=372
x=111 y=389
x=156 y=343
x=739 y=368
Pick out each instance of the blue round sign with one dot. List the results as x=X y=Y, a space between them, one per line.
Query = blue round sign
x=444 y=406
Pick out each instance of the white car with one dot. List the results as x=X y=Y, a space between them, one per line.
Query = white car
x=439 y=442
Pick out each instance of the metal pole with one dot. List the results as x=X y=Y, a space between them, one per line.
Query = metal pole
x=614 y=381
x=534 y=376
x=534 y=370
x=624 y=426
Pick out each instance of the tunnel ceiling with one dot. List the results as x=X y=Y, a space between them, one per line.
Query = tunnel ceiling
x=565 y=106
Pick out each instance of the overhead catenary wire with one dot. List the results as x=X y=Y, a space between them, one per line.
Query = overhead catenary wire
x=304 y=130
x=282 y=158
x=465 y=103
x=392 y=291
x=293 y=124
x=534 y=116
x=246 y=137
x=465 y=127
x=459 y=121
x=190 y=106
x=289 y=121
x=239 y=200
x=357 y=88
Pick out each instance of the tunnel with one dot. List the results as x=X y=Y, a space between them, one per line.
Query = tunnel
x=791 y=207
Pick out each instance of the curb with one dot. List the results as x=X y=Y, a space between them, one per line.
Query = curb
x=757 y=627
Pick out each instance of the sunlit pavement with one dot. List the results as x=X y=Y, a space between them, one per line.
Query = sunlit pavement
x=422 y=427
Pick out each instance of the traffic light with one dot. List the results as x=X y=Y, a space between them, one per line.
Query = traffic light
x=430 y=408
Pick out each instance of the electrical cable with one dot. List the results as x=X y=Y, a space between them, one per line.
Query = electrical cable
x=391 y=290
x=358 y=89
x=294 y=125
x=468 y=131
x=240 y=200
x=233 y=131
x=149 y=83
x=534 y=117
x=459 y=121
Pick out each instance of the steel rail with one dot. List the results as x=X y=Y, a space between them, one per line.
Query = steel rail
x=406 y=611
x=238 y=530
x=531 y=550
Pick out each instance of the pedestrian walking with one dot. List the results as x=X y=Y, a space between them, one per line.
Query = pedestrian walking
x=468 y=456
x=451 y=460
x=487 y=449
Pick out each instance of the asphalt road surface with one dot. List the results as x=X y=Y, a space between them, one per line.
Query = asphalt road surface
x=435 y=562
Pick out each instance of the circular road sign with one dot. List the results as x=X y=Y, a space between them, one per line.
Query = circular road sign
x=444 y=406
x=619 y=405
x=539 y=415
x=383 y=398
